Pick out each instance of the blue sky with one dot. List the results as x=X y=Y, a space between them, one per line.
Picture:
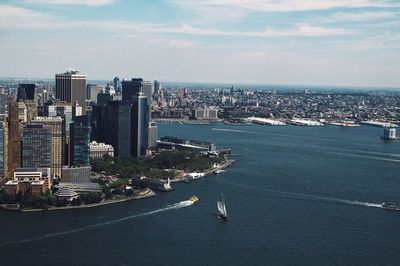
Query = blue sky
x=315 y=42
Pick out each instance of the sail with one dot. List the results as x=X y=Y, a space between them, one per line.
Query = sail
x=221 y=207
x=225 y=210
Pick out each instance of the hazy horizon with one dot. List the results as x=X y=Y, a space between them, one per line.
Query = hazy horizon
x=325 y=43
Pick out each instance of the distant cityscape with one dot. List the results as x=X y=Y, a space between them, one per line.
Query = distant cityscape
x=51 y=130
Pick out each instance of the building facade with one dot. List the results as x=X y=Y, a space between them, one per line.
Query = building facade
x=71 y=88
x=29 y=180
x=140 y=123
x=118 y=127
x=36 y=146
x=152 y=135
x=14 y=138
x=26 y=92
x=57 y=141
x=79 y=141
x=76 y=174
x=130 y=88
x=98 y=150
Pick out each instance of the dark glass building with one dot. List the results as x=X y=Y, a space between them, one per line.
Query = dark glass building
x=140 y=125
x=36 y=146
x=117 y=128
x=130 y=88
x=26 y=92
x=79 y=141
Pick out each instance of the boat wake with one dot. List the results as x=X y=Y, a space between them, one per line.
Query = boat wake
x=302 y=196
x=174 y=206
x=269 y=133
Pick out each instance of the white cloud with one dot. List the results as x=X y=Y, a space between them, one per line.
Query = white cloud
x=363 y=16
x=20 y=18
x=287 y=5
x=72 y=2
x=303 y=30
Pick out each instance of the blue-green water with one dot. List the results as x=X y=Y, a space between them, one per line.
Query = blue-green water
x=295 y=196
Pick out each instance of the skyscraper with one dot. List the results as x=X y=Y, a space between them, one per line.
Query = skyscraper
x=79 y=141
x=130 y=88
x=36 y=146
x=140 y=123
x=71 y=88
x=2 y=142
x=26 y=92
x=148 y=90
x=152 y=135
x=91 y=92
x=117 y=85
x=14 y=137
x=118 y=127
x=57 y=141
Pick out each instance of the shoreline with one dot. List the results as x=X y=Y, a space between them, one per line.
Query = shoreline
x=208 y=172
x=147 y=193
x=141 y=194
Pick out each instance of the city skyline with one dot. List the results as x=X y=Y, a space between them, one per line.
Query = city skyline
x=338 y=43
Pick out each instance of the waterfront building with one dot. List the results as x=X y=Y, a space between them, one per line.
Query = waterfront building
x=71 y=88
x=26 y=92
x=152 y=135
x=36 y=146
x=205 y=114
x=118 y=127
x=389 y=133
x=173 y=143
x=140 y=124
x=57 y=141
x=66 y=193
x=14 y=138
x=36 y=181
x=79 y=174
x=98 y=150
x=79 y=141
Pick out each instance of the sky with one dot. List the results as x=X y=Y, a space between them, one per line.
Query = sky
x=294 y=42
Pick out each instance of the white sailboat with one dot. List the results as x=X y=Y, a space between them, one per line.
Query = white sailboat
x=222 y=214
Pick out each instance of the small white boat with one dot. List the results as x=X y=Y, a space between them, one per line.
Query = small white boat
x=219 y=171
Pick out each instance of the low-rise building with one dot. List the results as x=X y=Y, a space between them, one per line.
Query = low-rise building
x=79 y=174
x=27 y=180
x=98 y=150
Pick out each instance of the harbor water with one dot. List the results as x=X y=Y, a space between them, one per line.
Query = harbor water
x=294 y=196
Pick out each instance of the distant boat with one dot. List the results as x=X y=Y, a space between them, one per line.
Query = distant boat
x=194 y=199
x=391 y=206
x=219 y=171
x=222 y=214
